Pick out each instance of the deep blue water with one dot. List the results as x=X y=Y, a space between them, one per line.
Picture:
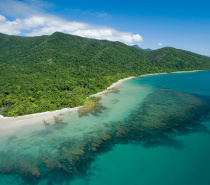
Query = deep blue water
x=154 y=131
x=191 y=82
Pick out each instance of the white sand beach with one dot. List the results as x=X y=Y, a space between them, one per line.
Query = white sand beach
x=11 y=124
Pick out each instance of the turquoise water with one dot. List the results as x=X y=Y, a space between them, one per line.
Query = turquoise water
x=191 y=82
x=154 y=131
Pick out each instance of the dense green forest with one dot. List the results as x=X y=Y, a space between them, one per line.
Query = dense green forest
x=52 y=72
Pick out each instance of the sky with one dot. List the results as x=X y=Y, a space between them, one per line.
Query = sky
x=183 y=24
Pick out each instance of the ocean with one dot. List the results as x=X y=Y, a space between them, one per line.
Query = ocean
x=155 y=130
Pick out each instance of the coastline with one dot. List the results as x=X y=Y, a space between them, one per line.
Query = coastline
x=11 y=124
x=171 y=73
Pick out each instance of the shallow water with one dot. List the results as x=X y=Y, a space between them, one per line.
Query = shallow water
x=155 y=130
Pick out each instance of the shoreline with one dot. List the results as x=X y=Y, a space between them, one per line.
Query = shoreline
x=172 y=72
x=11 y=124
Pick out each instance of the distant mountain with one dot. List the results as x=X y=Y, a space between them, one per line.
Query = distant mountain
x=136 y=46
x=52 y=72
x=147 y=49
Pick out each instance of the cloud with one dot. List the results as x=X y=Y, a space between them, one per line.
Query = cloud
x=23 y=8
x=30 y=19
x=160 y=44
x=9 y=27
x=109 y=34
x=47 y=24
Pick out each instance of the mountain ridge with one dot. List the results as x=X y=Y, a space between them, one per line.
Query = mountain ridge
x=52 y=72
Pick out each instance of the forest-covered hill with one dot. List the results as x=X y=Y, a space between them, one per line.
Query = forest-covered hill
x=52 y=72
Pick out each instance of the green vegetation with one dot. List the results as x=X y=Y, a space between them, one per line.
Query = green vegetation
x=52 y=72
x=91 y=104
